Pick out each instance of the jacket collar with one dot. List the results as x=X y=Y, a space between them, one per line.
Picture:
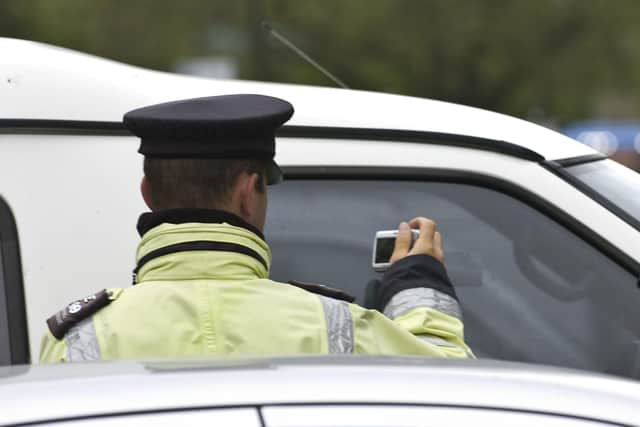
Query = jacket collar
x=149 y=220
x=181 y=244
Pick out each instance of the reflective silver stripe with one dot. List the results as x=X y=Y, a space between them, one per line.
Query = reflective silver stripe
x=82 y=342
x=444 y=343
x=405 y=301
x=339 y=325
x=437 y=341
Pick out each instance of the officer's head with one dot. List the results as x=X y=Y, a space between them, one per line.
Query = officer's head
x=211 y=153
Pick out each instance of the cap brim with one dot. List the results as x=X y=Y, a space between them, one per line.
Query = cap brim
x=274 y=173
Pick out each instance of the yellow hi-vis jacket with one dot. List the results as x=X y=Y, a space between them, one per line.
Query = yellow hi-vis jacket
x=204 y=290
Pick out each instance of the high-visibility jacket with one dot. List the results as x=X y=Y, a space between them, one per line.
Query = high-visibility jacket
x=203 y=289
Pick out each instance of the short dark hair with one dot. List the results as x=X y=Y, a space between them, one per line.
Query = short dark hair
x=198 y=183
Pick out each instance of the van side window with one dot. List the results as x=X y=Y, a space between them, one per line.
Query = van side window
x=531 y=290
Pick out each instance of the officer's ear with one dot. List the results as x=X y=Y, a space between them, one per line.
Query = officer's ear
x=145 y=190
x=251 y=203
x=246 y=193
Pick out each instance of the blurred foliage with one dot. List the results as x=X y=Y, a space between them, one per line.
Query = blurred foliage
x=543 y=59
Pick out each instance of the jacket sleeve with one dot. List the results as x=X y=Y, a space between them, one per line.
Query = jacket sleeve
x=418 y=296
x=52 y=350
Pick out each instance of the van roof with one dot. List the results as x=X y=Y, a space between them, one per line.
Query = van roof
x=44 y=82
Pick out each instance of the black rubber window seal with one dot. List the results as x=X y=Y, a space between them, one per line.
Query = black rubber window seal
x=106 y=128
x=14 y=291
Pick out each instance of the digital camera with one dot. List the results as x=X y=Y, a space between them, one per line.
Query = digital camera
x=383 y=246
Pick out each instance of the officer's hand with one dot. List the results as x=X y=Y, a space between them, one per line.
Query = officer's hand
x=429 y=242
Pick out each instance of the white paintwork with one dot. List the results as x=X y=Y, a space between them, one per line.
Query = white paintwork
x=42 y=82
x=409 y=416
x=76 y=202
x=69 y=390
x=239 y=417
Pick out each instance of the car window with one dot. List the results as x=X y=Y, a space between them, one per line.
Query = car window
x=411 y=416
x=612 y=181
x=530 y=289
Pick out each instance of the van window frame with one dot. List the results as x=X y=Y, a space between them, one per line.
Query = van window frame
x=14 y=287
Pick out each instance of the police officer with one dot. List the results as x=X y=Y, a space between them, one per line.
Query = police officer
x=201 y=283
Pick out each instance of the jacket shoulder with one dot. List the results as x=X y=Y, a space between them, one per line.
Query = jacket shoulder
x=323 y=290
x=60 y=323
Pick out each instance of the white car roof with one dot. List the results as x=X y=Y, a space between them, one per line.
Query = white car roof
x=43 y=82
x=76 y=390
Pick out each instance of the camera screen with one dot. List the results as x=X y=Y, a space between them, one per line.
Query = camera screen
x=384 y=249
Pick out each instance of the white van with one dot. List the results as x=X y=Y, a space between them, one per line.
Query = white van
x=541 y=233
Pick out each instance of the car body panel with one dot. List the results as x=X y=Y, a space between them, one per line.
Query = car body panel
x=65 y=391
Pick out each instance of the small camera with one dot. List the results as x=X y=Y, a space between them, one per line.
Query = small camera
x=383 y=248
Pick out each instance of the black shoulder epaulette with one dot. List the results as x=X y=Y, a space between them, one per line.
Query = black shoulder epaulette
x=78 y=310
x=323 y=290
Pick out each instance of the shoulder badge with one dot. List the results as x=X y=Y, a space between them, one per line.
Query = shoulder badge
x=323 y=290
x=78 y=310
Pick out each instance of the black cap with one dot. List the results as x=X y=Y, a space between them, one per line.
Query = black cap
x=229 y=126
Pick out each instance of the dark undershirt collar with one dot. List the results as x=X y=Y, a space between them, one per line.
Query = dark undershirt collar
x=149 y=220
